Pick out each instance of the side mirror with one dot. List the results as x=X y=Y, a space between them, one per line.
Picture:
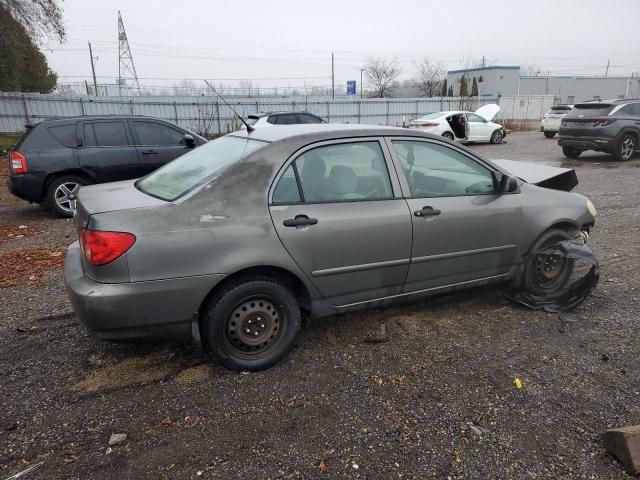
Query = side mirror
x=189 y=141
x=504 y=183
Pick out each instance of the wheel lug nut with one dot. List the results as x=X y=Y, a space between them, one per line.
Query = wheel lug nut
x=262 y=325
x=247 y=331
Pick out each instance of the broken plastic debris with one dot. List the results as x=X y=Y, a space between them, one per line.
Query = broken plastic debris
x=518 y=383
x=572 y=293
x=24 y=472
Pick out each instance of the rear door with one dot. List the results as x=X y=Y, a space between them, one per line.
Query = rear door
x=340 y=215
x=157 y=143
x=107 y=152
x=462 y=230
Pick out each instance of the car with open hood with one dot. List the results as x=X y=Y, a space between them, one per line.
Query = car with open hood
x=463 y=126
x=233 y=243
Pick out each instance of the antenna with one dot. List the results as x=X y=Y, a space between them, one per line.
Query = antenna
x=126 y=68
x=249 y=127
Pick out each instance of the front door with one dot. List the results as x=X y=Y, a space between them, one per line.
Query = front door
x=462 y=229
x=157 y=144
x=479 y=129
x=339 y=214
x=107 y=152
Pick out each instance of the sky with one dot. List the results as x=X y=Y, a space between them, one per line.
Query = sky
x=288 y=43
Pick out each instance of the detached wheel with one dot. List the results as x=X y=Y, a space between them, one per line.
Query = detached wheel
x=547 y=273
x=549 y=134
x=626 y=148
x=496 y=137
x=571 y=152
x=448 y=135
x=61 y=193
x=250 y=326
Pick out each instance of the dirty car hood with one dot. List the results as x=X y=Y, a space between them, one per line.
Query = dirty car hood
x=107 y=197
x=557 y=178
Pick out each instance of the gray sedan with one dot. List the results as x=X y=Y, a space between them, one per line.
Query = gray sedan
x=231 y=243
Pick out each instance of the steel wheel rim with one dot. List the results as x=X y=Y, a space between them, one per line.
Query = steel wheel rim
x=64 y=193
x=627 y=149
x=254 y=327
x=549 y=271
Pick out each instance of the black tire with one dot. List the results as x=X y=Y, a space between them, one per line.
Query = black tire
x=549 y=134
x=625 y=148
x=259 y=306
x=496 y=137
x=448 y=135
x=538 y=278
x=571 y=152
x=58 y=194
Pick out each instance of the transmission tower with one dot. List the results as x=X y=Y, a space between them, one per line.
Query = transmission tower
x=126 y=68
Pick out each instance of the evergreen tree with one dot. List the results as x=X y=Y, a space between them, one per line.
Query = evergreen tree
x=474 y=88
x=444 y=88
x=23 y=67
x=464 y=88
x=450 y=94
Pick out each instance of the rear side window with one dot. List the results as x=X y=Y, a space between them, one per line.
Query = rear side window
x=287 y=189
x=105 y=134
x=152 y=133
x=288 y=119
x=65 y=134
x=306 y=118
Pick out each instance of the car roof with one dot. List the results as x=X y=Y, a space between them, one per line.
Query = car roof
x=282 y=112
x=325 y=131
x=99 y=117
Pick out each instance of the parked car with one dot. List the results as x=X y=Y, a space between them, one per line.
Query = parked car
x=550 y=123
x=282 y=118
x=463 y=126
x=610 y=126
x=233 y=241
x=54 y=158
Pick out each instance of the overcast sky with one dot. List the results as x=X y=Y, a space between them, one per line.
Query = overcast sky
x=289 y=42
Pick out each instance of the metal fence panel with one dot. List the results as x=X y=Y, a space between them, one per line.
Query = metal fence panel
x=208 y=115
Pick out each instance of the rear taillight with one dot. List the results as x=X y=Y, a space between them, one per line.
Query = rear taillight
x=18 y=162
x=100 y=248
x=428 y=124
x=604 y=122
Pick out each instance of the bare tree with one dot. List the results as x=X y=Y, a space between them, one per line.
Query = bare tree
x=381 y=74
x=38 y=17
x=429 y=78
x=529 y=70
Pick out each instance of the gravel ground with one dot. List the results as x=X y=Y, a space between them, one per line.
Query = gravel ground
x=437 y=400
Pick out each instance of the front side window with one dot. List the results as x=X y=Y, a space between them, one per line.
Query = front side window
x=344 y=172
x=196 y=167
x=152 y=133
x=105 y=134
x=475 y=118
x=437 y=171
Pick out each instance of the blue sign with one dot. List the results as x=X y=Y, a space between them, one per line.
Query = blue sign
x=351 y=87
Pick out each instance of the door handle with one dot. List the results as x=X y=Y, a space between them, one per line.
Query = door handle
x=300 y=221
x=149 y=152
x=427 y=212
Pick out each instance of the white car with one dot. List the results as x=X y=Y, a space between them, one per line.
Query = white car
x=464 y=126
x=269 y=119
x=550 y=124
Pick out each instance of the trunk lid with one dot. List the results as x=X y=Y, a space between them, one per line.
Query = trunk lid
x=107 y=197
x=488 y=112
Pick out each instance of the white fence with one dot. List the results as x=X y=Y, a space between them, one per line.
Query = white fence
x=207 y=115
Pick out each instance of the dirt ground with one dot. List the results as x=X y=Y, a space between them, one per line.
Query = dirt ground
x=437 y=400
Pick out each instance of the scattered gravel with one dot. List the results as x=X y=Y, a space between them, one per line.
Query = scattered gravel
x=436 y=399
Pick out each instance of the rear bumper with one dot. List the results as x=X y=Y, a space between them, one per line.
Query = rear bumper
x=159 y=309
x=26 y=186
x=600 y=144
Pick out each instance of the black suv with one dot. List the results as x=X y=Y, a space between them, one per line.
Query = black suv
x=610 y=126
x=54 y=158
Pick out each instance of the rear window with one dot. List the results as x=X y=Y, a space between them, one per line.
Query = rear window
x=24 y=137
x=194 y=168
x=252 y=119
x=590 y=110
x=559 y=109
x=65 y=134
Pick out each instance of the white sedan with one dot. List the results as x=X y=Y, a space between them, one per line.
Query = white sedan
x=464 y=126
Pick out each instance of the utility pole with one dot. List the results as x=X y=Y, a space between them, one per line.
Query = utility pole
x=361 y=84
x=484 y=61
x=333 y=79
x=606 y=72
x=93 y=70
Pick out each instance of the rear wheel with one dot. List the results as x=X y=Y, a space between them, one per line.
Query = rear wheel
x=448 y=135
x=62 y=192
x=251 y=325
x=625 y=148
x=571 y=152
x=549 y=134
x=547 y=273
x=496 y=137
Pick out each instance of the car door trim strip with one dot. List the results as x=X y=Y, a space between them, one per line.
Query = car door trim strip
x=463 y=253
x=358 y=268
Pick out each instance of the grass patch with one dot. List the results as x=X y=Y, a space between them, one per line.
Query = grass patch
x=8 y=141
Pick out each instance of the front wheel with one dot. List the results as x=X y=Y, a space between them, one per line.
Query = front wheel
x=61 y=194
x=545 y=274
x=571 y=152
x=625 y=148
x=251 y=325
x=549 y=134
x=496 y=137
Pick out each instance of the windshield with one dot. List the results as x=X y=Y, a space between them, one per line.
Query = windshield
x=186 y=172
x=429 y=116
